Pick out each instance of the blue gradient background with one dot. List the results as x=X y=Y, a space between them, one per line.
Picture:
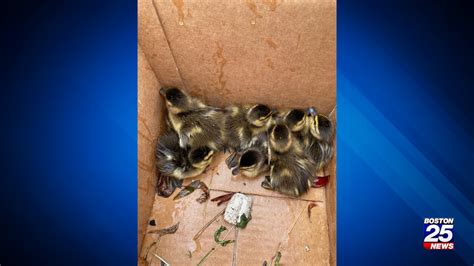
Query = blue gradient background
x=405 y=127
x=68 y=132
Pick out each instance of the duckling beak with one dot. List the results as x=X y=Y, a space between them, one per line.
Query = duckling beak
x=163 y=91
x=311 y=111
x=235 y=171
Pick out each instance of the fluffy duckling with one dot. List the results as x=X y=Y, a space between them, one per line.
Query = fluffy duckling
x=245 y=127
x=290 y=170
x=304 y=127
x=322 y=129
x=174 y=161
x=321 y=126
x=197 y=124
x=252 y=163
x=199 y=158
x=297 y=122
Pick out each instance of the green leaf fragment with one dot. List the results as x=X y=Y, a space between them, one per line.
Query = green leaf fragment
x=277 y=259
x=244 y=221
x=217 y=234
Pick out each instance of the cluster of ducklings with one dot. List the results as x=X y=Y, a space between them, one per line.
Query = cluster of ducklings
x=292 y=145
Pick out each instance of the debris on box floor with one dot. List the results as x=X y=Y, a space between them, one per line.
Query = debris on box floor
x=216 y=239
x=223 y=198
x=196 y=184
x=196 y=242
x=159 y=233
x=237 y=211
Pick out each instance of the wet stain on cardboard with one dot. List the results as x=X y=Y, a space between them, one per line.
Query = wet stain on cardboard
x=271 y=43
x=220 y=61
x=272 y=4
x=179 y=4
x=270 y=63
x=253 y=7
x=298 y=41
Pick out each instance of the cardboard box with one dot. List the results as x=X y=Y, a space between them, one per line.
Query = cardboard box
x=280 y=53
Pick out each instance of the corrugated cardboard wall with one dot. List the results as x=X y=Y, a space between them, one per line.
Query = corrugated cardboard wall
x=265 y=50
x=149 y=126
x=281 y=53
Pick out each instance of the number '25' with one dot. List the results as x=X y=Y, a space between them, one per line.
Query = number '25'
x=444 y=234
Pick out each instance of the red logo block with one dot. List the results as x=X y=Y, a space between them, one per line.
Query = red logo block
x=438 y=246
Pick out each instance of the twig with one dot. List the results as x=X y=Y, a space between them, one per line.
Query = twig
x=288 y=233
x=148 y=251
x=234 y=252
x=198 y=234
x=161 y=260
x=205 y=256
x=294 y=223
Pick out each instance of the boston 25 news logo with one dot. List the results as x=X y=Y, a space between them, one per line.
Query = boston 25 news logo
x=438 y=233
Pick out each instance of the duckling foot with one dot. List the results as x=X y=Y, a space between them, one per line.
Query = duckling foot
x=166 y=185
x=266 y=184
x=232 y=160
x=320 y=181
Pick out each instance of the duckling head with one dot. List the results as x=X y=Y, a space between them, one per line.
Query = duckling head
x=296 y=120
x=259 y=115
x=313 y=120
x=176 y=100
x=201 y=157
x=249 y=164
x=280 y=138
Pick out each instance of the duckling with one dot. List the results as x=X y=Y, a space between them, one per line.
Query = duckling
x=174 y=161
x=301 y=123
x=252 y=163
x=321 y=126
x=199 y=158
x=322 y=129
x=197 y=124
x=290 y=170
x=246 y=126
x=297 y=122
